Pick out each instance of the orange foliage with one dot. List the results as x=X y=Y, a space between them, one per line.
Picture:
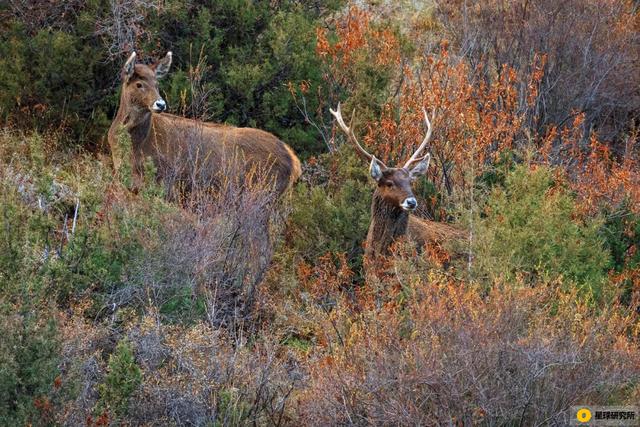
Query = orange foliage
x=510 y=349
x=357 y=36
x=600 y=178
x=327 y=277
x=476 y=116
x=44 y=406
x=594 y=69
x=473 y=120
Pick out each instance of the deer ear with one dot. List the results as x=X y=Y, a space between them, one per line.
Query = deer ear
x=162 y=67
x=375 y=170
x=421 y=168
x=129 y=67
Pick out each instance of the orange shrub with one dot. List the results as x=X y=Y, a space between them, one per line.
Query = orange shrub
x=480 y=112
x=474 y=119
x=446 y=353
x=600 y=177
x=594 y=70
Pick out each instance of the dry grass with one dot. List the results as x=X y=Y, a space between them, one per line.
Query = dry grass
x=441 y=352
x=192 y=375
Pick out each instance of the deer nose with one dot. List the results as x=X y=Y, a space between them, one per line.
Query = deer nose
x=409 y=204
x=159 y=106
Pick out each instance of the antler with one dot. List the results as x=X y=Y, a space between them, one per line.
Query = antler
x=351 y=136
x=414 y=158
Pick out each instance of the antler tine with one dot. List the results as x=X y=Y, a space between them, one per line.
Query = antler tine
x=426 y=156
x=348 y=130
x=353 y=116
x=425 y=141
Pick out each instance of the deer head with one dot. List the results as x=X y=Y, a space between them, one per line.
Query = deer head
x=140 y=92
x=394 y=184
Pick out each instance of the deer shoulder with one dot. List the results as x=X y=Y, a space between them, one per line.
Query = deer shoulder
x=393 y=200
x=191 y=150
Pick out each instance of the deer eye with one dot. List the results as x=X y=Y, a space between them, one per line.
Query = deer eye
x=389 y=184
x=139 y=85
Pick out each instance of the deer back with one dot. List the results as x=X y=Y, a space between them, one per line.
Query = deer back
x=426 y=232
x=188 y=149
x=191 y=148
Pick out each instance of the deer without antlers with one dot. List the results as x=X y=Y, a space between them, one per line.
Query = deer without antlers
x=179 y=145
x=393 y=198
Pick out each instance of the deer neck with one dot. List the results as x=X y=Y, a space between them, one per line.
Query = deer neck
x=388 y=222
x=137 y=121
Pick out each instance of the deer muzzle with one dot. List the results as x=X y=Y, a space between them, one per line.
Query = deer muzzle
x=159 y=106
x=409 y=204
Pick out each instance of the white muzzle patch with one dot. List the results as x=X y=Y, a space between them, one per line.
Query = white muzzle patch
x=409 y=204
x=159 y=106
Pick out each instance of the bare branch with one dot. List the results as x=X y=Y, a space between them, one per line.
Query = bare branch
x=125 y=26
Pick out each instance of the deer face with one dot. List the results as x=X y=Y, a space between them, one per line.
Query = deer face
x=394 y=184
x=140 y=84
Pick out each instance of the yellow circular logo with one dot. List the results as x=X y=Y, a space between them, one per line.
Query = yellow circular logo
x=583 y=415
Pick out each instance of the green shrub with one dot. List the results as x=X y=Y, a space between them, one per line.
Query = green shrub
x=29 y=351
x=122 y=380
x=621 y=231
x=231 y=409
x=49 y=79
x=38 y=198
x=122 y=159
x=332 y=213
x=529 y=227
x=61 y=71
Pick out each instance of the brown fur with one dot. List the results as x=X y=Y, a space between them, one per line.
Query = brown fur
x=186 y=148
x=389 y=221
x=393 y=198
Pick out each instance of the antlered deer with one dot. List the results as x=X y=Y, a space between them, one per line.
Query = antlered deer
x=179 y=145
x=393 y=199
